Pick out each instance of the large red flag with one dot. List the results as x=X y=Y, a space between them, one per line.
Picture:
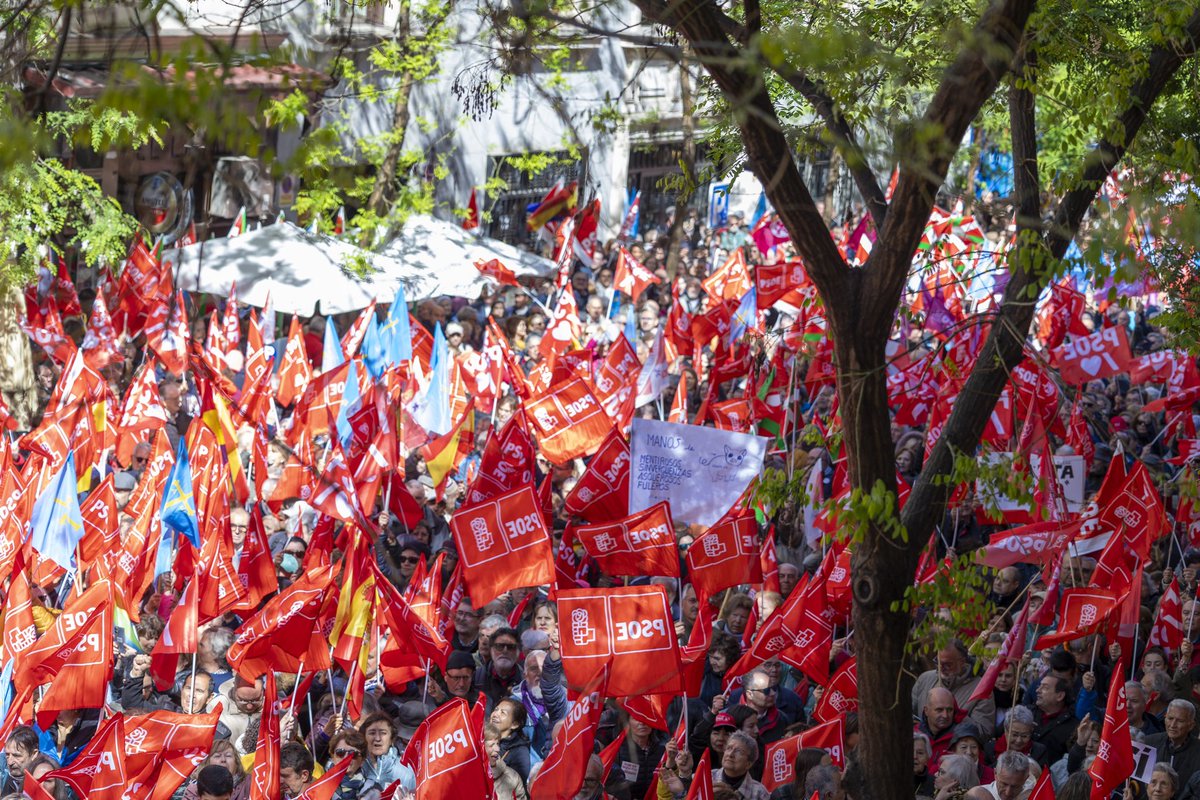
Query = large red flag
x=447 y=754
x=99 y=771
x=502 y=544
x=628 y=628
x=20 y=631
x=563 y=771
x=779 y=758
x=506 y=463
x=1101 y=355
x=287 y=631
x=568 y=420
x=602 y=493
x=175 y=743
x=641 y=544
x=74 y=657
x=1114 y=760
x=725 y=555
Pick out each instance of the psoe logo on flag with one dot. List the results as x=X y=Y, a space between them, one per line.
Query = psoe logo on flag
x=582 y=634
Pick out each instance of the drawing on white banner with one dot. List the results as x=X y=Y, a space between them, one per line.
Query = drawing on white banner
x=668 y=458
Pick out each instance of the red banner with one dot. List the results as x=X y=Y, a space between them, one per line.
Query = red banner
x=628 y=628
x=563 y=771
x=447 y=754
x=725 y=555
x=641 y=544
x=602 y=494
x=503 y=544
x=1087 y=358
x=779 y=759
x=568 y=420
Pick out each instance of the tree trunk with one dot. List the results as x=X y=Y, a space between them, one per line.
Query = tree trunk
x=835 y=172
x=385 y=179
x=688 y=126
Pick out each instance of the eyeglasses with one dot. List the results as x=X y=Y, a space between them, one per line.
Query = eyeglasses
x=239 y=527
x=296 y=553
x=503 y=646
x=139 y=459
x=342 y=752
x=770 y=690
x=409 y=559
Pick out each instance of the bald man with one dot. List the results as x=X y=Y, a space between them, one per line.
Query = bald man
x=937 y=720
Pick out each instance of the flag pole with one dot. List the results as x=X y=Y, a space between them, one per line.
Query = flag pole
x=192 y=699
x=296 y=687
x=349 y=680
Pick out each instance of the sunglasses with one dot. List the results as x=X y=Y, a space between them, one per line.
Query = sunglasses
x=409 y=560
x=342 y=752
x=503 y=646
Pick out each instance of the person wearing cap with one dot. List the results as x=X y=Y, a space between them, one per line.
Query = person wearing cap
x=454 y=340
x=123 y=485
x=966 y=740
x=723 y=725
x=381 y=763
x=459 y=679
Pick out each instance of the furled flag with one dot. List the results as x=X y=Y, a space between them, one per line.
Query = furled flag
x=264 y=777
x=56 y=525
x=332 y=354
x=180 y=635
x=497 y=271
x=431 y=408
x=295 y=371
x=563 y=771
x=471 y=220
x=1114 y=760
x=1168 y=625
x=239 y=224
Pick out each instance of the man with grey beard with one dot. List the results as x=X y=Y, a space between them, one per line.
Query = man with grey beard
x=497 y=678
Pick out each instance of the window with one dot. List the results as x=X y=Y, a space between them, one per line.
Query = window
x=509 y=209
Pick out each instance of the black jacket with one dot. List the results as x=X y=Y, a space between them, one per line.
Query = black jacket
x=1055 y=733
x=1185 y=760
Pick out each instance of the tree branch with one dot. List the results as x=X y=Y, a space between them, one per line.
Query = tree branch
x=843 y=136
x=1004 y=347
x=967 y=84
x=768 y=154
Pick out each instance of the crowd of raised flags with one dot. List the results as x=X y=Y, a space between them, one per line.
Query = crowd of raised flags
x=395 y=554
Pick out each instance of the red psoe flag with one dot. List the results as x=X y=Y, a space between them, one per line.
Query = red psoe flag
x=295 y=371
x=327 y=785
x=1083 y=611
x=563 y=771
x=602 y=494
x=840 y=696
x=640 y=544
x=180 y=635
x=1087 y=358
x=447 y=754
x=628 y=628
x=725 y=555
x=503 y=543
x=1114 y=760
x=1011 y=652
x=264 y=778
x=287 y=631
x=568 y=420
x=497 y=271
x=631 y=277
x=99 y=769
x=702 y=783
x=1168 y=625
x=779 y=758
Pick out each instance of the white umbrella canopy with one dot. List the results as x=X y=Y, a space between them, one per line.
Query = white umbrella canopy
x=300 y=271
x=441 y=256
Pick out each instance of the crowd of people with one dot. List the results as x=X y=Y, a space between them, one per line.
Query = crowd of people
x=1045 y=713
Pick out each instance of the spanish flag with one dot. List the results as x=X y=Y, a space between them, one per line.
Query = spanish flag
x=559 y=201
x=444 y=454
x=215 y=415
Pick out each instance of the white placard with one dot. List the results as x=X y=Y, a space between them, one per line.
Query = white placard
x=1071 y=471
x=1144 y=758
x=699 y=471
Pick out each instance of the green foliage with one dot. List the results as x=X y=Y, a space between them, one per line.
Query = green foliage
x=953 y=601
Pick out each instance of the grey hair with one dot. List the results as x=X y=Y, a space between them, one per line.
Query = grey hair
x=1012 y=762
x=1171 y=774
x=752 y=673
x=821 y=782
x=1183 y=705
x=1160 y=682
x=962 y=769
x=493 y=622
x=219 y=640
x=746 y=741
x=1020 y=714
x=1131 y=685
x=924 y=740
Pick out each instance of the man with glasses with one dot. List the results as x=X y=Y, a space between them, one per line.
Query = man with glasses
x=760 y=695
x=466 y=627
x=787 y=702
x=239 y=524
x=459 y=678
x=593 y=781
x=497 y=678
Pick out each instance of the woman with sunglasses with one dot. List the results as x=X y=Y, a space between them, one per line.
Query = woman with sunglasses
x=356 y=784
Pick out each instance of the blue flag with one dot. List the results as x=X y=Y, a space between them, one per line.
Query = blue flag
x=372 y=349
x=57 y=523
x=746 y=315
x=351 y=402
x=760 y=210
x=179 y=505
x=396 y=334
x=433 y=406
x=631 y=324
x=332 y=356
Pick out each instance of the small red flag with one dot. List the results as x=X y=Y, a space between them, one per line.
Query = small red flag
x=779 y=758
x=471 y=221
x=264 y=778
x=563 y=771
x=447 y=754
x=631 y=277
x=180 y=635
x=569 y=421
x=602 y=493
x=497 y=271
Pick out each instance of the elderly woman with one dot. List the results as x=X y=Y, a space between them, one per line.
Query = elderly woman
x=223 y=754
x=955 y=774
x=382 y=762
